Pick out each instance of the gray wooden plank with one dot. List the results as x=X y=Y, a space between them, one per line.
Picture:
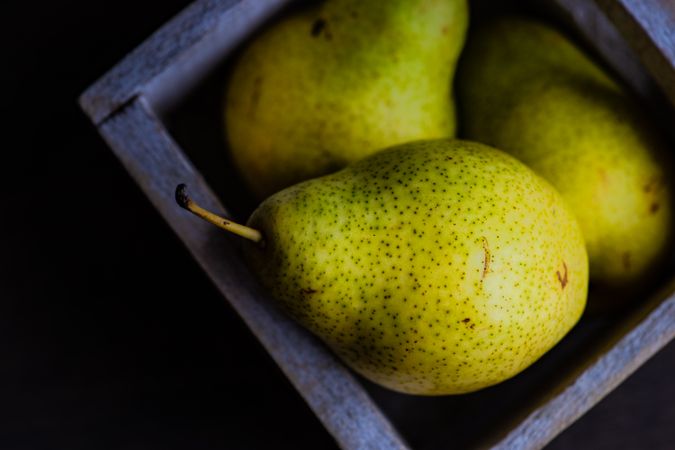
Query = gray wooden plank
x=649 y=27
x=636 y=343
x=601 y=34
x=157 y=164
x=222 y=24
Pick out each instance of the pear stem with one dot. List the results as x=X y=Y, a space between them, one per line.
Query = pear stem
x=186 y=202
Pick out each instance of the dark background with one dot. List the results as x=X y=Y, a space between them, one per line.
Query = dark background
x=110 y=335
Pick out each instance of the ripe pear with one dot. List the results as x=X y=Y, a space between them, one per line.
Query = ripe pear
x=335 y=81
x=525 y=88
x=434 y=267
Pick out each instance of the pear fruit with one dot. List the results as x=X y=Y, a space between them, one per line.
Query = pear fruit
x=333 y=82
x=433 y=267
x=525 y=88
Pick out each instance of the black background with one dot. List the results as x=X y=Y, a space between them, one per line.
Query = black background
x=110 y=335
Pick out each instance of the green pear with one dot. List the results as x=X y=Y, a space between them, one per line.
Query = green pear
x=333 y=82
x=434 y=267
x=525 y=88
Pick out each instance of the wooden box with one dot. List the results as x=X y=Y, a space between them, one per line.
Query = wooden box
x=159 y=110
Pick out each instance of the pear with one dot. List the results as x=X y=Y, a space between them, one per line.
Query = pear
x=525 y=88
x=335 y=81
x=434 y=267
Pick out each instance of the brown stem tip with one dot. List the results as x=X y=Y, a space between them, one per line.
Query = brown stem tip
x=181 y=196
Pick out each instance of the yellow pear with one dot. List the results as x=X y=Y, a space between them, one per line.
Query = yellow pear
x=335 y=81
x=525 y=88
x=434 y=267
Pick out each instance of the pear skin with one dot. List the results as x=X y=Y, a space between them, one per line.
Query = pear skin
x=525 y=88
x=434 y=267
x=332 y=83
